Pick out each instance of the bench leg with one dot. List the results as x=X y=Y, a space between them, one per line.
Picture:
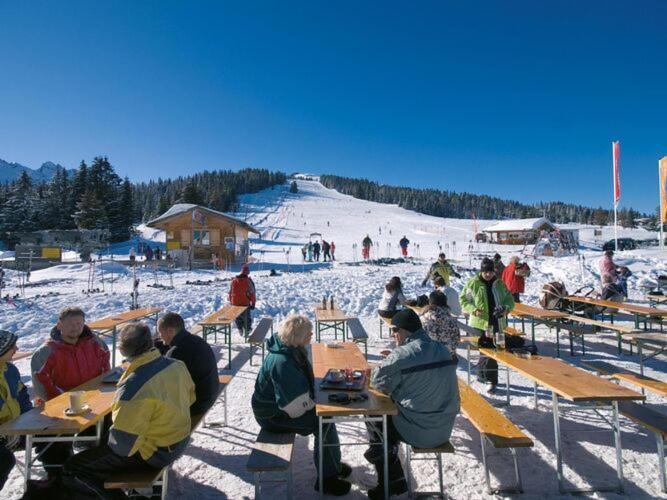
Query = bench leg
x=258 y=479
x=661 y=461
x=517 y=471
x=408 y=467
x=289 y=483
x=440 y=478
x=165 y=483
x=535 y=394
x=516 y=488
x=251 y=352
x=468 y=355
x=487 y=476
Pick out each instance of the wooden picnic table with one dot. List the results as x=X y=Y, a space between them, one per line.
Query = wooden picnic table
x=654 y=299
x=375 y=409
x=221 y=322
x=575 y=385
x=658 y=341
x=330 y=319
x=111 y=323
x=648 y=313
x=48 y=423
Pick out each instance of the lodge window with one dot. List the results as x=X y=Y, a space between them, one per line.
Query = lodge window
x=202 y=238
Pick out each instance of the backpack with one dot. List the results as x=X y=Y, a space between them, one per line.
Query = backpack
x=553 y=296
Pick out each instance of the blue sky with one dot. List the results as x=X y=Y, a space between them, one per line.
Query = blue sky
x=518 y=99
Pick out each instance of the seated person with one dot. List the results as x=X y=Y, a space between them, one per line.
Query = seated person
x=391 y=297
x=14 y=400
x=451 y=294
x=151 y=418
x=611 y=290
x=178 y=343
x=71 y=356
x=283 y=400
x=420 y=377
x=439 y=324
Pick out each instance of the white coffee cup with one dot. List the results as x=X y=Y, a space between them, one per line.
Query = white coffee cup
x=76 y=401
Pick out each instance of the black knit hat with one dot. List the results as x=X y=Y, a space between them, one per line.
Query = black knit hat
x=7 y=341
x=487 y=265
x=407 y=319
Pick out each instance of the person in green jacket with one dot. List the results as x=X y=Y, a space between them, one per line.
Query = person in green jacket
x=284 y=399
x=488 y=301
x=442 y=268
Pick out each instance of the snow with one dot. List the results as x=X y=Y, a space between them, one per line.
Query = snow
x=180 y=208
x=518 y=224
x=214 y=464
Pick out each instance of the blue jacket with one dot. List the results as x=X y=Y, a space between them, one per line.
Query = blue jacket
x=419 y=379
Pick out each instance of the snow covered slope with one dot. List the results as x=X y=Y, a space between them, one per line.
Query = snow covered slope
x=214 y=464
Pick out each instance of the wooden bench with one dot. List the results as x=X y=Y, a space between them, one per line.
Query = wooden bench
x=224 y=382
x=271 y=453
x=642 y=381
x=437 y=451
x=653 y=421
x=145 y=478
x=495 y=428
x=619 y=330
x=358 y=333
x=259 y=334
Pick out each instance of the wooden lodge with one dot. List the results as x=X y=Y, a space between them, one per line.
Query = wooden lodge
x=519 y=231
x=197 y=232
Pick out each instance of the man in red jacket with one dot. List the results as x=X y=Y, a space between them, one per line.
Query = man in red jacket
x=514 y=276
x=242 y=293
x=71 y=356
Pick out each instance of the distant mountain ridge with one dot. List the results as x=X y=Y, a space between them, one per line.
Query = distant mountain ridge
x=11 y=171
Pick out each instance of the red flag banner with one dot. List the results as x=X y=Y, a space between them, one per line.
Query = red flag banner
x=663 y=189
x=616 y=153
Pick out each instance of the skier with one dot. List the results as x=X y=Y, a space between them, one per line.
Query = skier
x=333 y=251
x=316 y=250
x=133 y=256
x=304 y=252
x=440 y=268
x=326 y=249
x=403 y=243
x=310 y=252
x=242 y=293
x=366 y=247
x=148 y=253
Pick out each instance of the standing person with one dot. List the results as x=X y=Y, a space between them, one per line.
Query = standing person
x=178 y=343
x=487 y=300
x=14 y=400
x=391 y=297
x=242 y=293
x=366 y=245
x=151 y=419
x=148 y=253
x=333 y=251
x=608 y=266
x=419 y=375
x=403 y=243
x=284 y=400
x=442 y=268
x=439 y=323
x=498 y=265
x=326 y=249
x=310 y=252
x=316 y=250
x=304 y=252
x=452 y=295
x=71 y=356
x=157 y=253
x=133 y=256
x=514 y=276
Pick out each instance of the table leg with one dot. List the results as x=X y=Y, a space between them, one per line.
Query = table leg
x=535 y=394
x=559 y=453
x=617 y=441
x=113 y=348
x=557 y=341
x=641 y=357
x=320 y=455
x=532 y=330
x=317 y=330
x=28 y=461
x=228 y=338
x=386 y=455
x=507 y=385
x=468 y=357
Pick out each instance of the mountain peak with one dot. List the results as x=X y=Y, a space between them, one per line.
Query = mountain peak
x=11 y=171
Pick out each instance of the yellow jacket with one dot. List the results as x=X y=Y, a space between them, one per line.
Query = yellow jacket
x=14 y=398
x=151 y=408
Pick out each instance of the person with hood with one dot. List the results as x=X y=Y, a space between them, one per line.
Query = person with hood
x=403 y=243
x=71 y=356
x=242 y=293
x=498 y=265
x=442 y=268
x=622 y=279
x=310 y=252
x=391 y=297
x=333 y=251
x=439 y=323
x=150 y=414
x=284 y=400
x=452 y=295
x=514 y=276
x=14 y=400
x=608 y=266
x=316 y=250
x=366 y=245
x=326 y=249
x=488 y=301
x=177 y=343
x=419 y=375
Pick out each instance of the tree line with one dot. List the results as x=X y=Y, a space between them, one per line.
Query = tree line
x=97 y=198
x=468 y=206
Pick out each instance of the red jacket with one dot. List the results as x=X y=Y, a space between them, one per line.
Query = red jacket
x=242 y=292
x=58 y=366
x=514 y=283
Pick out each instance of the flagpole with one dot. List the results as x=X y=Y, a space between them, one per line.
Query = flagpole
x=615 y=174
x=661 y=186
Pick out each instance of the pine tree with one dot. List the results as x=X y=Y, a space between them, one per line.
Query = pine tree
x=293 y=188
x=18 y=212
x=90 y=212
x=190 y=194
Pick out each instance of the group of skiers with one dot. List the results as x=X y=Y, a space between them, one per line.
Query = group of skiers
x=367 y=243
x=312 y=251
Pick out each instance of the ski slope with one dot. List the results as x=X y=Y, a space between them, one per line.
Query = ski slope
x=214 y=464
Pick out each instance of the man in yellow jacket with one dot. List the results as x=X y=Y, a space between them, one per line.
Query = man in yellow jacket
x=151 y=418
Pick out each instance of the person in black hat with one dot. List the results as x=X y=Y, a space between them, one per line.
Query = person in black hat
x=14 y=401
x=420 y=377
